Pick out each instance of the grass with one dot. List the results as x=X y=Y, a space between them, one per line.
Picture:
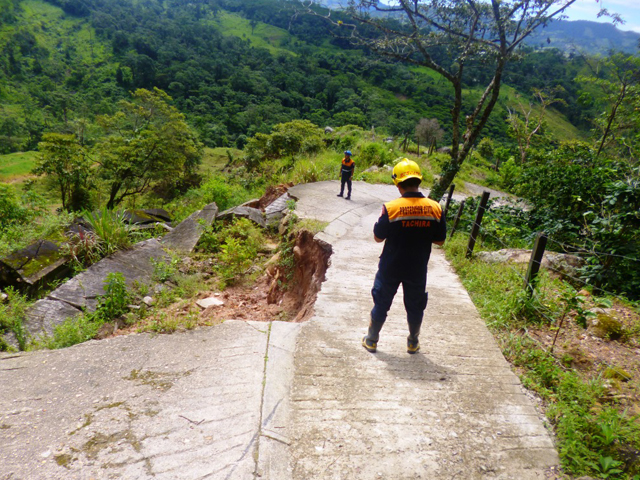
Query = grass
x=214 y=159
x=594 y=435
x=263 y=36
x=51 y=24
x=16 y=167
x=558 y=127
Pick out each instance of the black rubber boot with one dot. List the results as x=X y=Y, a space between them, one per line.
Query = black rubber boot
x=339 y=195
x=370 y=340
x=413 y=345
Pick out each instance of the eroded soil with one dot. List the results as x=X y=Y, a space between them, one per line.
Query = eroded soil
x=618 y=361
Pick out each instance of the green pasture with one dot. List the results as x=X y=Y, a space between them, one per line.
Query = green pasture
x=263 y=36
x=14 y=167
x=214 y=159
x=49 y=24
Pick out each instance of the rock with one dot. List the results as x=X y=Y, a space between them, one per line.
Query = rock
x=268 y=248
x=563 y=264
x=272 y=264
x=209 y=302
x=560 y=263
x=146 y=216
x=43 y=316
x=513 y=255
x=185 y=236
x=3 y=297
x=284 y=223
x=328 y=130
x=606 y=326
x=38 y=264
x=148 y=301
x=373 y=168
x=252 y=214
x=388 y=140
x=276 y=210
x=253 y=203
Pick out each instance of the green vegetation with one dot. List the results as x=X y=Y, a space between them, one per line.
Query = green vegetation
x=594 y=432
x=235 y=246
x=261 y=35
x=12 y=316
x=111 y=305
x=14 y=167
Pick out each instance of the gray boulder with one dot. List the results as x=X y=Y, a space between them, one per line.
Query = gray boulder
x=276 y=210
x=185 y=236
x=252 y=214
x=562 y=264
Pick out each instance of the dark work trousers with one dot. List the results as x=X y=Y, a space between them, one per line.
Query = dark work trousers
x=346 y=180
x=385 y=288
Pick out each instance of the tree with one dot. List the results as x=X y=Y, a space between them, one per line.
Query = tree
x=66 y=162
x=526 y=123
x=286 y=139
x=146 y=142
x=428 y=131
x=449 y=37
x=620 y=86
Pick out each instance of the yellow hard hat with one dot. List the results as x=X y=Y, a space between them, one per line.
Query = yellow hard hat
x=404 y=170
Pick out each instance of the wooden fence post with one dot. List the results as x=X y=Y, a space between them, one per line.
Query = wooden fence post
x=455 y=222
x=476 y=225
x=446 y=207
x=534 y=263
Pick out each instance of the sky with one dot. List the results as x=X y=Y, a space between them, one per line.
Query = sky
x=629 y=10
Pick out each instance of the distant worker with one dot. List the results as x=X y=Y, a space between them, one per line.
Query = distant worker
x=409 y=224
x=346 y=173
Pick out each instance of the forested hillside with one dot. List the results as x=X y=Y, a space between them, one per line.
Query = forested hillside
x=234 y=68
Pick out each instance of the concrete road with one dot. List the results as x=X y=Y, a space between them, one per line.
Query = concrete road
x=248 y=400
x=455 y=410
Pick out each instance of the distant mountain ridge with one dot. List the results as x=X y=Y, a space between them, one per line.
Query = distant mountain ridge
x=585 y=36
x=569 y=36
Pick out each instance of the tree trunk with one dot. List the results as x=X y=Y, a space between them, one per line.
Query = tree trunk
x=611 y=117
x=115 y=188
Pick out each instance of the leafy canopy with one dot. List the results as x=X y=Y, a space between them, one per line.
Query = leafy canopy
x=147 y=141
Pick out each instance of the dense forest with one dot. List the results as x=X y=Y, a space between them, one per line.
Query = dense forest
x=59 y=67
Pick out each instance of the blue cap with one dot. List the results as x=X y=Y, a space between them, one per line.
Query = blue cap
x=347 y=152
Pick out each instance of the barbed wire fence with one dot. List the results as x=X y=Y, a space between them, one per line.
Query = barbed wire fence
x=485 y=236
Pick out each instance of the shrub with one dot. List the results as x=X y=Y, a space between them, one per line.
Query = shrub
x=11 y=211
x=218 y=189
x=235 y=245
x=286 y=140
x=510 y=174
x=374 y=154
x=111 y=229
x=12 y=316
x=111 y=305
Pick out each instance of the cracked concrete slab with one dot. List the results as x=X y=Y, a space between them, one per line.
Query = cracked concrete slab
x=178 y=406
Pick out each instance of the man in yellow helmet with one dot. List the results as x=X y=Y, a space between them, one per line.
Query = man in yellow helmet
x=409 y=226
